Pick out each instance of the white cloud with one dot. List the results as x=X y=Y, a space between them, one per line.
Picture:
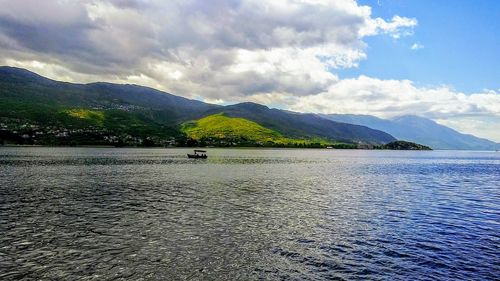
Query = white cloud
x=486 y=127
x=396 y=28
x=416 y=46
x=388 y=98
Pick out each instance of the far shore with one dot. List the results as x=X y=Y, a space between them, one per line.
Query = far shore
x=232 y=147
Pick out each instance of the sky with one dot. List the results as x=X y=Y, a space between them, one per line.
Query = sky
x=436 y=59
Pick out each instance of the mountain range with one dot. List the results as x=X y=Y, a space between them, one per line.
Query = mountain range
x=141 y=112
x=419 y=130
x=35 y=109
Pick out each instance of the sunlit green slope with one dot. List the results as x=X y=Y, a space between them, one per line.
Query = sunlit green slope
x=219 y=126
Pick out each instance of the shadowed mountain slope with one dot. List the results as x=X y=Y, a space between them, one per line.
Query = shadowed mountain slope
x=20 y=85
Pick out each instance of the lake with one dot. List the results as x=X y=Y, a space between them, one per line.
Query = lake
x=246 y=214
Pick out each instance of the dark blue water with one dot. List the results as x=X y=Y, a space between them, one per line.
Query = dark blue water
x=153 y=214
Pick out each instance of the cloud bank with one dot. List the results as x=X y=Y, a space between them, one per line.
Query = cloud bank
x=284 y=53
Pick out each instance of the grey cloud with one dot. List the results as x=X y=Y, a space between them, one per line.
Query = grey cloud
x=131 y=4
x=79 y=42
x=189 y=46
x=72 y=39
x=230 y=24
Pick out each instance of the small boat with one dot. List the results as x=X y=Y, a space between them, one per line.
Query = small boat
x=198 y=154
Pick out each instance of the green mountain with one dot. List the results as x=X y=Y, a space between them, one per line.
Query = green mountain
x=22 y=87
x=404 y=145
x=300 y=125
x=34 y=109
x=37 y=110
x=223 y=127
x=219 y=129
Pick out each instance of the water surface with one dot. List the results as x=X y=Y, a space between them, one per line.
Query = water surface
x=246 y=214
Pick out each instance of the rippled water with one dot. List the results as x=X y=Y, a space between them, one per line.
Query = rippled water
x=245 y=214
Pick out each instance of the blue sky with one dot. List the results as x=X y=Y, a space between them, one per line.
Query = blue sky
x=460 y=39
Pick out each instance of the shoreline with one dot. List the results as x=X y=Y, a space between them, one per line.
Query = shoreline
x=233 y=147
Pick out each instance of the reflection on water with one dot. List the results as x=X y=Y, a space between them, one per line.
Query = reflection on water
x=153 y=214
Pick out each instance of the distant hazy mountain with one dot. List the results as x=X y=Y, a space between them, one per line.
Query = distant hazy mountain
x=419 y=130
x=130 y=109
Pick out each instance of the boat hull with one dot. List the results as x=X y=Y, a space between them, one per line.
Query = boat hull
x=195 y=156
